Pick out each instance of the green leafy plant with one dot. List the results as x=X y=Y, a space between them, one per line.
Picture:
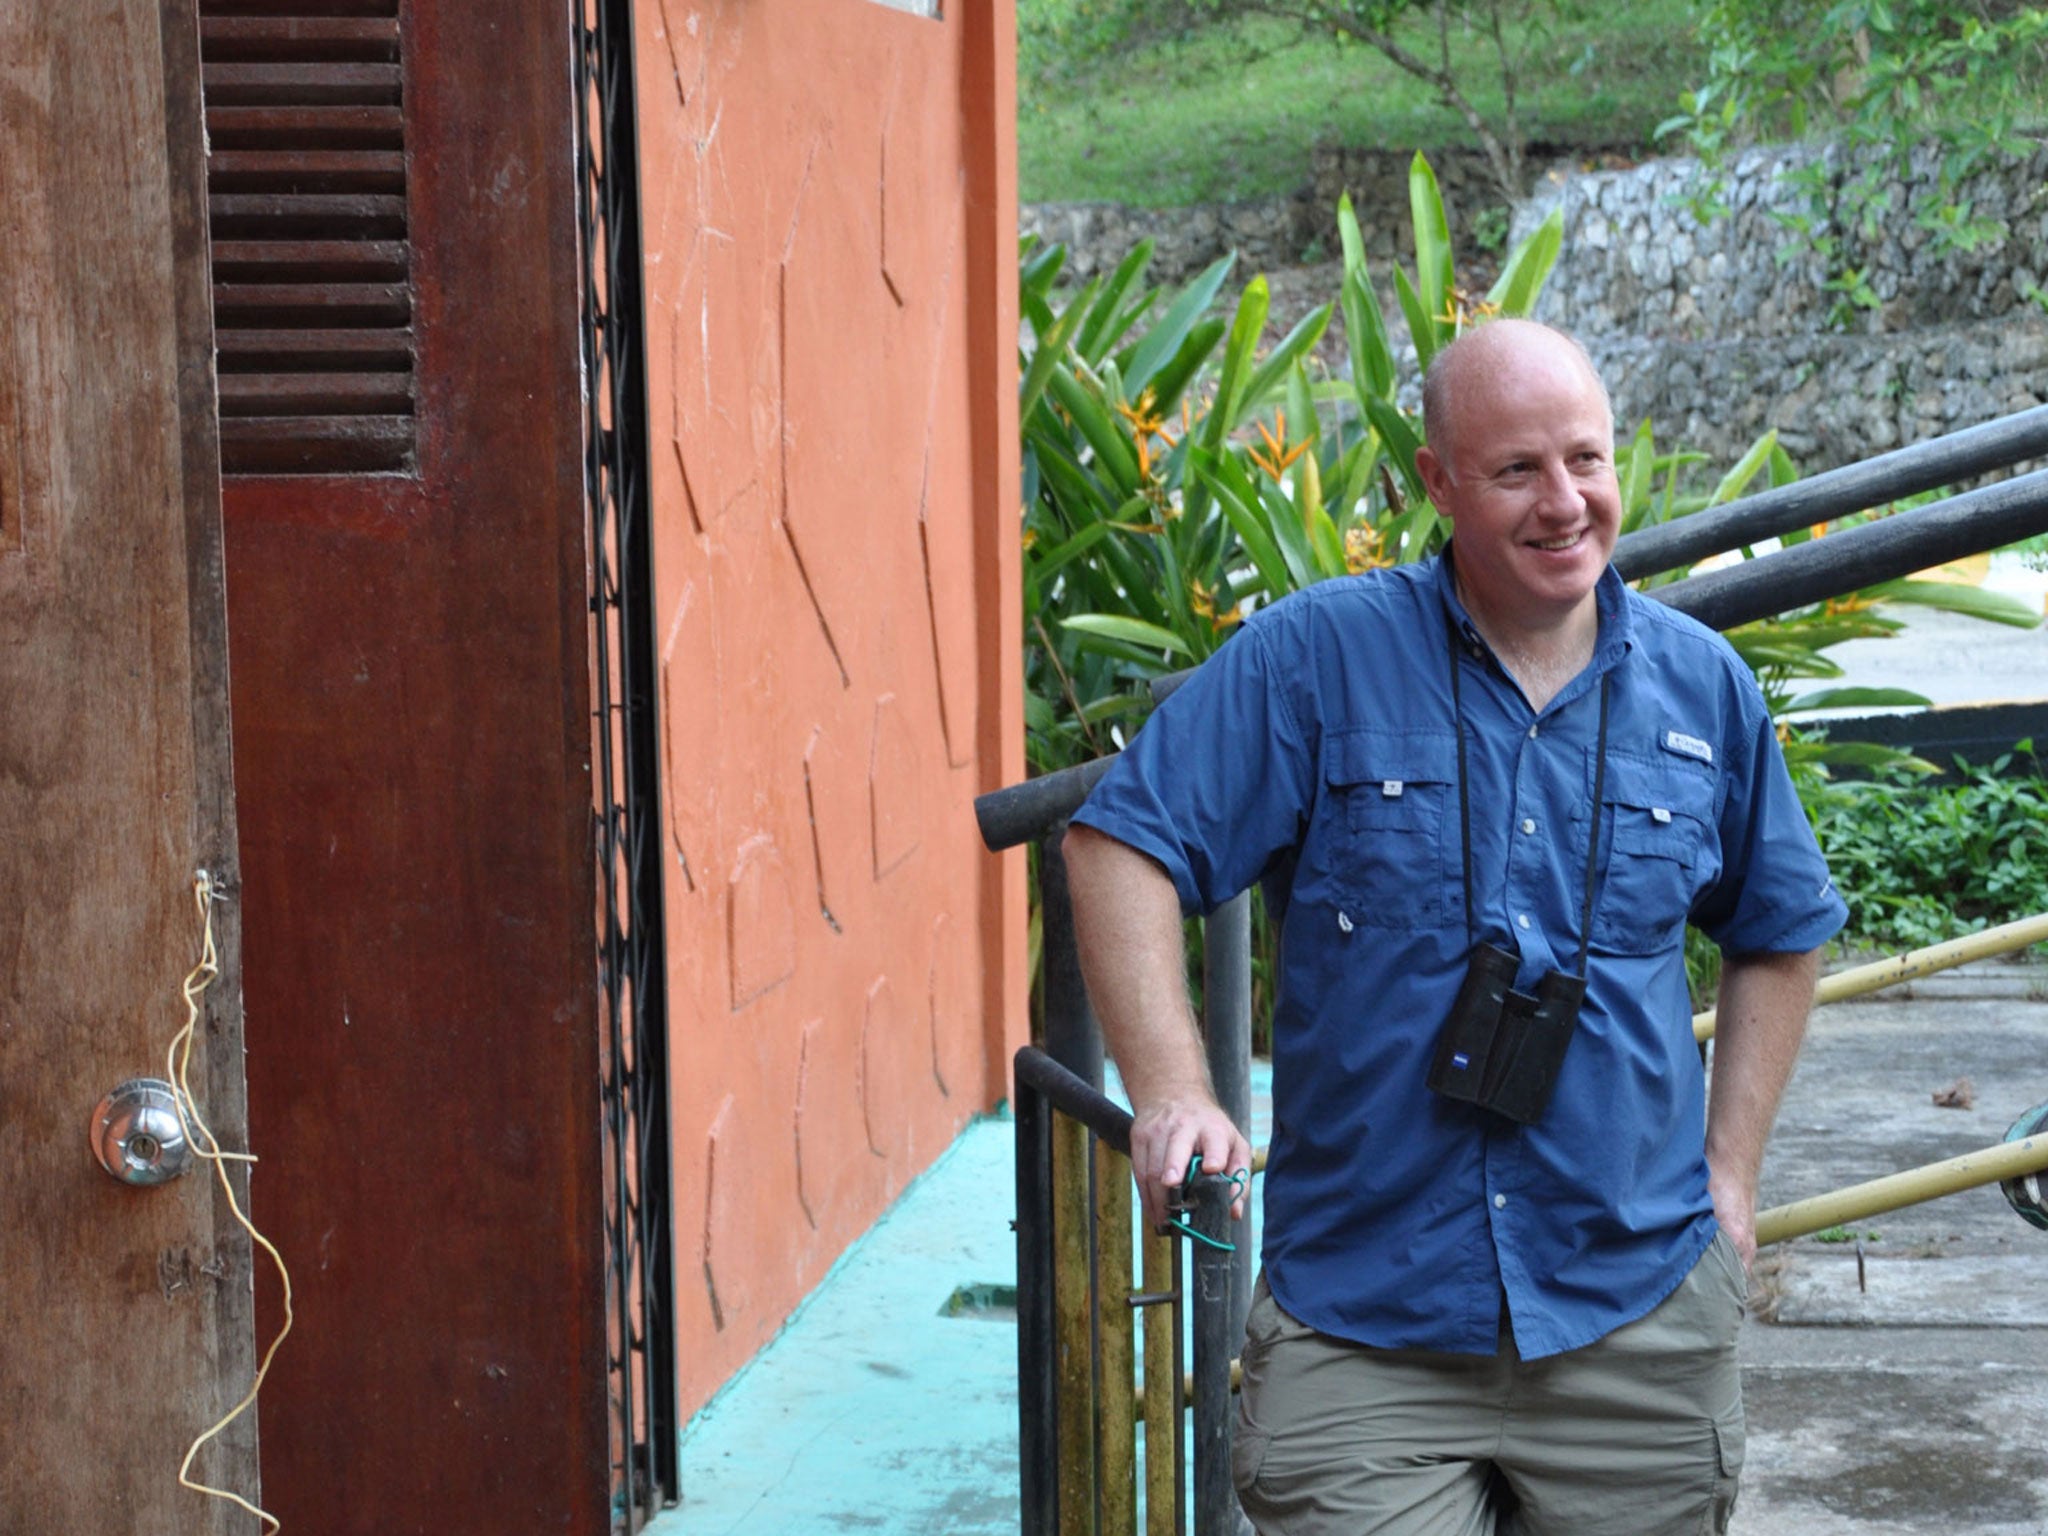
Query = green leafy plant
x=1919 y=862
x=1176 y=475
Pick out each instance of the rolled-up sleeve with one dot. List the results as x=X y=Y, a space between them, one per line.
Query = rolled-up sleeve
x=1219 y=781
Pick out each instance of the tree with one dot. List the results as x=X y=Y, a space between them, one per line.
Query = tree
x=1461 y=49
x=1375 y=23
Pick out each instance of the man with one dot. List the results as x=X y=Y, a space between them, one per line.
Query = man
x=1465 y=1322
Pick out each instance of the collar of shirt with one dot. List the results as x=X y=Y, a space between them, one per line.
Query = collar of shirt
x=1610 y=597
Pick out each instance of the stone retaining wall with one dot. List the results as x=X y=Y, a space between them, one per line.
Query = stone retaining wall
x=1272 y=232
x=1718 y=331
x=1832 y=398
x=1637 y=261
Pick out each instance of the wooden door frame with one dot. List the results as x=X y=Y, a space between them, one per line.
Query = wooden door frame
x=115 y=538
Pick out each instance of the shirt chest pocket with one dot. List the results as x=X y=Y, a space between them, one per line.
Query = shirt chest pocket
x=1392 y=812
x=1661 y=853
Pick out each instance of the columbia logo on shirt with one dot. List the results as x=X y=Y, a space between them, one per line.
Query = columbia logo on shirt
x=1688 y=746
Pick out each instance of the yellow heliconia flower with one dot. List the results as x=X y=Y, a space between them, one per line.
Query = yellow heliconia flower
x=1461 y=311
x=1145 y=424
x=1364 y=549
x=1203 y=601
x=1278 y=456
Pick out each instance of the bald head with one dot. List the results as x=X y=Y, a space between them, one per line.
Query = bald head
x=1487 y=359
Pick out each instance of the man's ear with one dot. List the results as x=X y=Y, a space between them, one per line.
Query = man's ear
x=1436 y=478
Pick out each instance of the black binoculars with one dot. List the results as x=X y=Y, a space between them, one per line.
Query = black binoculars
x=1502 y=1049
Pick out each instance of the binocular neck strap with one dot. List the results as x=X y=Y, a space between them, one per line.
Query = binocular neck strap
x=1465 y=807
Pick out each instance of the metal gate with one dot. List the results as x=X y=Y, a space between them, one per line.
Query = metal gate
x=639 y=1266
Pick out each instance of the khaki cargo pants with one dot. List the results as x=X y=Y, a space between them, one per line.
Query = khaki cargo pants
x=1638 y=1434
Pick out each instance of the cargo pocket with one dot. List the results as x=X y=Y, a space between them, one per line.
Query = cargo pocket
x=1729 y=1438
x=1248 y=1449
x=1657 y=822
x=1393 y=802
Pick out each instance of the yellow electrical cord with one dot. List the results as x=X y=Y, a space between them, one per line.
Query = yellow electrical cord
x=199 y=1135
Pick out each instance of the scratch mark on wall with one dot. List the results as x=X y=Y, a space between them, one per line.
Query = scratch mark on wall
x=893 y=782
x=957 y=733
x=882 y=180
x=806 y=1046
x=761 y=936
x=877 y=1020
x=788 y=533
x=668 y=769
x=796 y=204
x=675 y=406
x=817 y=842
x=719 y=1125
x=675 y=63
x=940 y=946
x=668 y=745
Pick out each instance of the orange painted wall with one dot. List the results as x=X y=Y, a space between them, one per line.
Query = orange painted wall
x=828 y=196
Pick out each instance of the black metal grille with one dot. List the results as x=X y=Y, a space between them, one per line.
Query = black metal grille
x=639 y=1248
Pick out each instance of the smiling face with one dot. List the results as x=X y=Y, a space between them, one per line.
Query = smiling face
x=1524 y=469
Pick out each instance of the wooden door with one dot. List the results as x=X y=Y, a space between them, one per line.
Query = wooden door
x=397 y=306
x=128 y=1310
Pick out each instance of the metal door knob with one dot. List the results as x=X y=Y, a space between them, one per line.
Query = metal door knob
x=136 y=1133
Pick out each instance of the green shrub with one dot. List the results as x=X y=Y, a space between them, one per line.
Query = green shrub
x=1924 y=861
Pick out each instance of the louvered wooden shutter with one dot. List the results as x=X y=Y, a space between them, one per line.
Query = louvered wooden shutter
x=306 y=183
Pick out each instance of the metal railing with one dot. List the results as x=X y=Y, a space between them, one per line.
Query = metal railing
x=1079 y=1399
x=1084 y=1411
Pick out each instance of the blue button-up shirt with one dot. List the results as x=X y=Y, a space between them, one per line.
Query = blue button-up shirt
x=1317 y=752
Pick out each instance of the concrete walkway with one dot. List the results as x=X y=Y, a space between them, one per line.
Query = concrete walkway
x=1912 y=1403
x=885 y=1405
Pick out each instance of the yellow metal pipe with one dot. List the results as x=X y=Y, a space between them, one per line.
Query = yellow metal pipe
x=1879 y=974
x=1163 y=1472
x=1118 y=1430
x=2005 y=1160
x=1073 y=1344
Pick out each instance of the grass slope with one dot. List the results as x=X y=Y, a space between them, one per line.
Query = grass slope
x=1219 y=113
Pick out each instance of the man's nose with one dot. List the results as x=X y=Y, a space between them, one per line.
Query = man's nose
x=1561 y=492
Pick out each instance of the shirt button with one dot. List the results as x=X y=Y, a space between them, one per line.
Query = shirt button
x=1522 y=919
x=1528 y=824
x=1532 y=733
x=1500 y=1202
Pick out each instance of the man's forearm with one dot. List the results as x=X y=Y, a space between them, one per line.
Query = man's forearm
x=1759 y=1024
x=1128 y=924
